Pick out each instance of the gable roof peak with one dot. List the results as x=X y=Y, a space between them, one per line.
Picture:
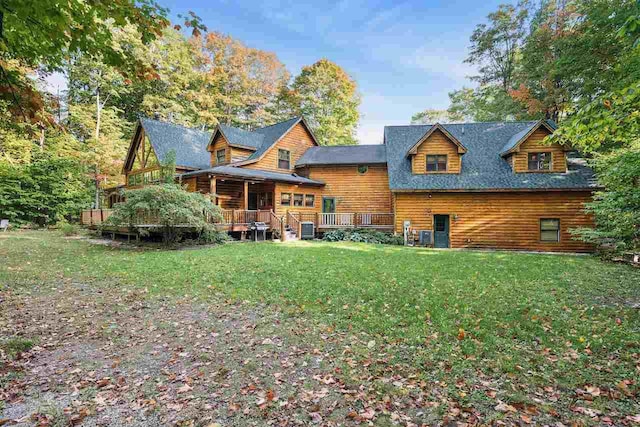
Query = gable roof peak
x=516 y=140
x=414 y=149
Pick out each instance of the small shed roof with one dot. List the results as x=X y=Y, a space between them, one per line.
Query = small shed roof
x=254 y=174
x=344 y=155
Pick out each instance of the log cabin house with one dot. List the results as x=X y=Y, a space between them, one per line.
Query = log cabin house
x=468 y=185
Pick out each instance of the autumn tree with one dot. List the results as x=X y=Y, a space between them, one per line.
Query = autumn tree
x=240 y=84
x=486 y=103
x=572 y=55
x=327 y=97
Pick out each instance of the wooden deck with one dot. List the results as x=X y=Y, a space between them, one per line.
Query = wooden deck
x=240 y=220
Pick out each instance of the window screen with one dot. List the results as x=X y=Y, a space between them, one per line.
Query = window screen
x=550 y=230
x=539 y=161
x=220 y=156
x=436 y=163
x=284 y=159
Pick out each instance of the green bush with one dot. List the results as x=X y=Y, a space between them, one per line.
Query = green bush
x=43 y=192
x=210 y=235
x=362 y=235
x=170 y=207
x=69 y=229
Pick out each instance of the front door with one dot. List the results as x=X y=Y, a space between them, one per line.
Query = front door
x=441 y=231
x=328 y=205
x=253 y=201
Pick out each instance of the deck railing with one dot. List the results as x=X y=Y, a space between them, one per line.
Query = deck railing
x=242 y=217
x=95 y=216
x=336 y=220
x=293 y=222
x=380 y=220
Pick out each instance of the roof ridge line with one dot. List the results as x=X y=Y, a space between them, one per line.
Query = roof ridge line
x=276 y=124
x=465 y=123
x=173 y=124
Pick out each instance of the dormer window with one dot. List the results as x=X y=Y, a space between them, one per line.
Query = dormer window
x=436 y=163
x=539 y=161
x=220 y=156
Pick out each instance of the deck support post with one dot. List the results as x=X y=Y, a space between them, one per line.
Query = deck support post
x=283 y=233
x=212 y=189
x=246 y=195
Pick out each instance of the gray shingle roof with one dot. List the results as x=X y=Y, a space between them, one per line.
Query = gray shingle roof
x=190 y=145
x=241 y=137
x=258 y=139
x=482 y=166
x=270 y=134
x=344 y=155
x=256 y=174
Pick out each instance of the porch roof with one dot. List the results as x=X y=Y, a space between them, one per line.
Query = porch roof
x=253 y=175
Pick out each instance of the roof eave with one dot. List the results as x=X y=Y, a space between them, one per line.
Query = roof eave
x=490 y=190
x=125 y=166
x=341 y=164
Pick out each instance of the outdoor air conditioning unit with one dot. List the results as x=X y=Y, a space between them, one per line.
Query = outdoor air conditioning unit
x=426 y=237
x=307 y=230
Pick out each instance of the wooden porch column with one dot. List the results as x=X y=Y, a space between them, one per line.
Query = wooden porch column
x=212 y=189
x=246 y=195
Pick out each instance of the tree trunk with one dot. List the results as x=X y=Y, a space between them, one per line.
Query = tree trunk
x=97 y=181
x=97 y=136
x=42 y=138
x=98 y=112
x=1 y=25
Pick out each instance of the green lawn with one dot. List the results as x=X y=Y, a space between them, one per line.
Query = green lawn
x=531 y=320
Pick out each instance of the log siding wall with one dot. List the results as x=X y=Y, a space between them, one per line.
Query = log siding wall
x=355 y=192
x=498 y=220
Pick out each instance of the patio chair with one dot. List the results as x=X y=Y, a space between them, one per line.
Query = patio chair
x=4 y=224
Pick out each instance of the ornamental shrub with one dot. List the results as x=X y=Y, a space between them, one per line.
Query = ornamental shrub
x=362 y=235
x=169 y=207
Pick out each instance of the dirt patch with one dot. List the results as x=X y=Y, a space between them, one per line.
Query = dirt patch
x=113 y=356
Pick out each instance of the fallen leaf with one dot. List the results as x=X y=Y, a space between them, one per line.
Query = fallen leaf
x=503 y=407
x=184 y=389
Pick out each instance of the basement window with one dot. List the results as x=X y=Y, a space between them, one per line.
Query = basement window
x=549 y=230
x=539 y=161
x=437 y=163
